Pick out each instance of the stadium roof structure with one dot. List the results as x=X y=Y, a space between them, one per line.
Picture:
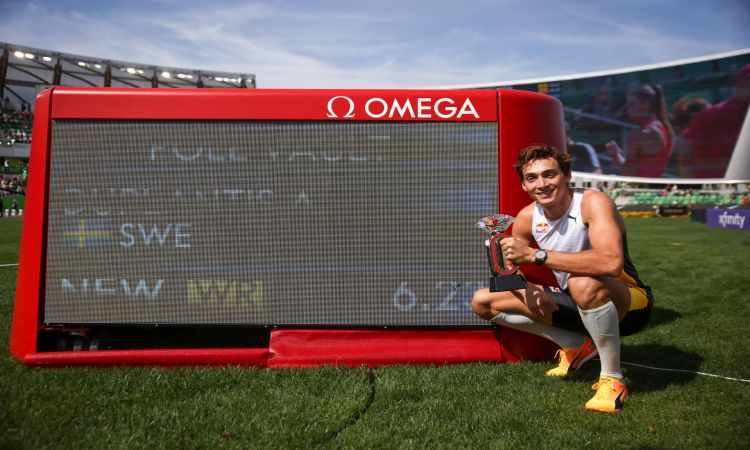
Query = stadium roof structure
x=601 y=73
x=23 y=68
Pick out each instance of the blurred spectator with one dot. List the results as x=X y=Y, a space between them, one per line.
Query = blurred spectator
x=708 y=142
x=603 y=104
x=584 y=157
x=650 y=146
x=686 y=111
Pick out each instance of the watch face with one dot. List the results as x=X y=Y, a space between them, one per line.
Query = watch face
x=540 y=254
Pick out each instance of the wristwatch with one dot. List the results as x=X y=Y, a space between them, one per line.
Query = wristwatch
x=539 y=257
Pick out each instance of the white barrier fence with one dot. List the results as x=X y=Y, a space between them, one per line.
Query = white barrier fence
x=723 y=185
x=12 y=213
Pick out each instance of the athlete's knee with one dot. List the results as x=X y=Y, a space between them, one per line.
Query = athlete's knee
x=480 y=303
x=587 y=292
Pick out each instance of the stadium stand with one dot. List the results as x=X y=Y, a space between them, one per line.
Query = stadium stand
x=16 y=124
x=26 y=71
x=16 y=131
x=595 y=110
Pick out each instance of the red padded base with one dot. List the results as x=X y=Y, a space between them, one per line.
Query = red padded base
x=354 y=348
x=516 y=345
x=313 y=348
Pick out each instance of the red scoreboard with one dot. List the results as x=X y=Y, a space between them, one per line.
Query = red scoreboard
x=268 y=227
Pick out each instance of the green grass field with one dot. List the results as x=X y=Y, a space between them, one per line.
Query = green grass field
x=701 y=283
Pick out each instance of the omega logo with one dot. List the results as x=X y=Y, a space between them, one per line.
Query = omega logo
x=420 y=108
x=350 y=112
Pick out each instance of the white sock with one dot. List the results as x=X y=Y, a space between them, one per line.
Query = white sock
x=560 y=336
x=603 y=324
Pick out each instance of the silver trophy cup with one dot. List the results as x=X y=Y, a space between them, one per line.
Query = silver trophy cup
x=505 y=276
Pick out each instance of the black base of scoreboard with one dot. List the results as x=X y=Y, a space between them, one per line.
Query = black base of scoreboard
x=146 y=338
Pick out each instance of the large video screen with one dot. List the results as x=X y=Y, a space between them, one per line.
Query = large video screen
x=675 y=121
x=267 y=222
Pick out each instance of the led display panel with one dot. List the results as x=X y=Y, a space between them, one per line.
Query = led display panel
x=292 y=222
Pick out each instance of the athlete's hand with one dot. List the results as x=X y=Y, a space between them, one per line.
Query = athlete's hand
x=541 y=305
x=516 y=251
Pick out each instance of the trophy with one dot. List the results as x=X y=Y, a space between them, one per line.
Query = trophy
x=505 y=276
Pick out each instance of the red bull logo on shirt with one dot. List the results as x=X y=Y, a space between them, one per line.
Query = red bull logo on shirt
x=542 y=227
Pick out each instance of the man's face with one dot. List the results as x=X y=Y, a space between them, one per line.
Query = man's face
x=544 y=181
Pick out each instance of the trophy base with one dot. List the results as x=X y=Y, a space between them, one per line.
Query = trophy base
x=501 y=283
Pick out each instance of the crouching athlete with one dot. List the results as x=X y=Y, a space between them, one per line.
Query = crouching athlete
x=581 y=237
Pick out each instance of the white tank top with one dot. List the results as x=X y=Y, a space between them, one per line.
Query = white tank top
x=566 y=234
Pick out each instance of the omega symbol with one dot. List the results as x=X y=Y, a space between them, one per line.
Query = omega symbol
x=350 y=112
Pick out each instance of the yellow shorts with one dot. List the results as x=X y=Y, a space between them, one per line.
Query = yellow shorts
x=567 y=316
x=638 y=298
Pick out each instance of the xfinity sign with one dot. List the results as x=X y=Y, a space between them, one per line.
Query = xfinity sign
x=728 y=218
x=343 y=107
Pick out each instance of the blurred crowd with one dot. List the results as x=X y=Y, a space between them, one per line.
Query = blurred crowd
x=12 y=185
x=677 y=124
x=16 y=122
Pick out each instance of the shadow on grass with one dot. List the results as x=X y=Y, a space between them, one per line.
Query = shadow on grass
x=653 y=367
x=661 y=316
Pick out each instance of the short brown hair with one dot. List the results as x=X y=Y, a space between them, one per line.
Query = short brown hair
x=534 y=152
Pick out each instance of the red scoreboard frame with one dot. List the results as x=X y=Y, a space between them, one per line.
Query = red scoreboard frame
x=522 y=118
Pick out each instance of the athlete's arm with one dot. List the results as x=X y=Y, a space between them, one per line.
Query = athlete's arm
x=522 y=225
x=605 y=258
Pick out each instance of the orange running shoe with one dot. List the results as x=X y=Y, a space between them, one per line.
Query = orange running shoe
x=571 y=359
x=610 y=395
